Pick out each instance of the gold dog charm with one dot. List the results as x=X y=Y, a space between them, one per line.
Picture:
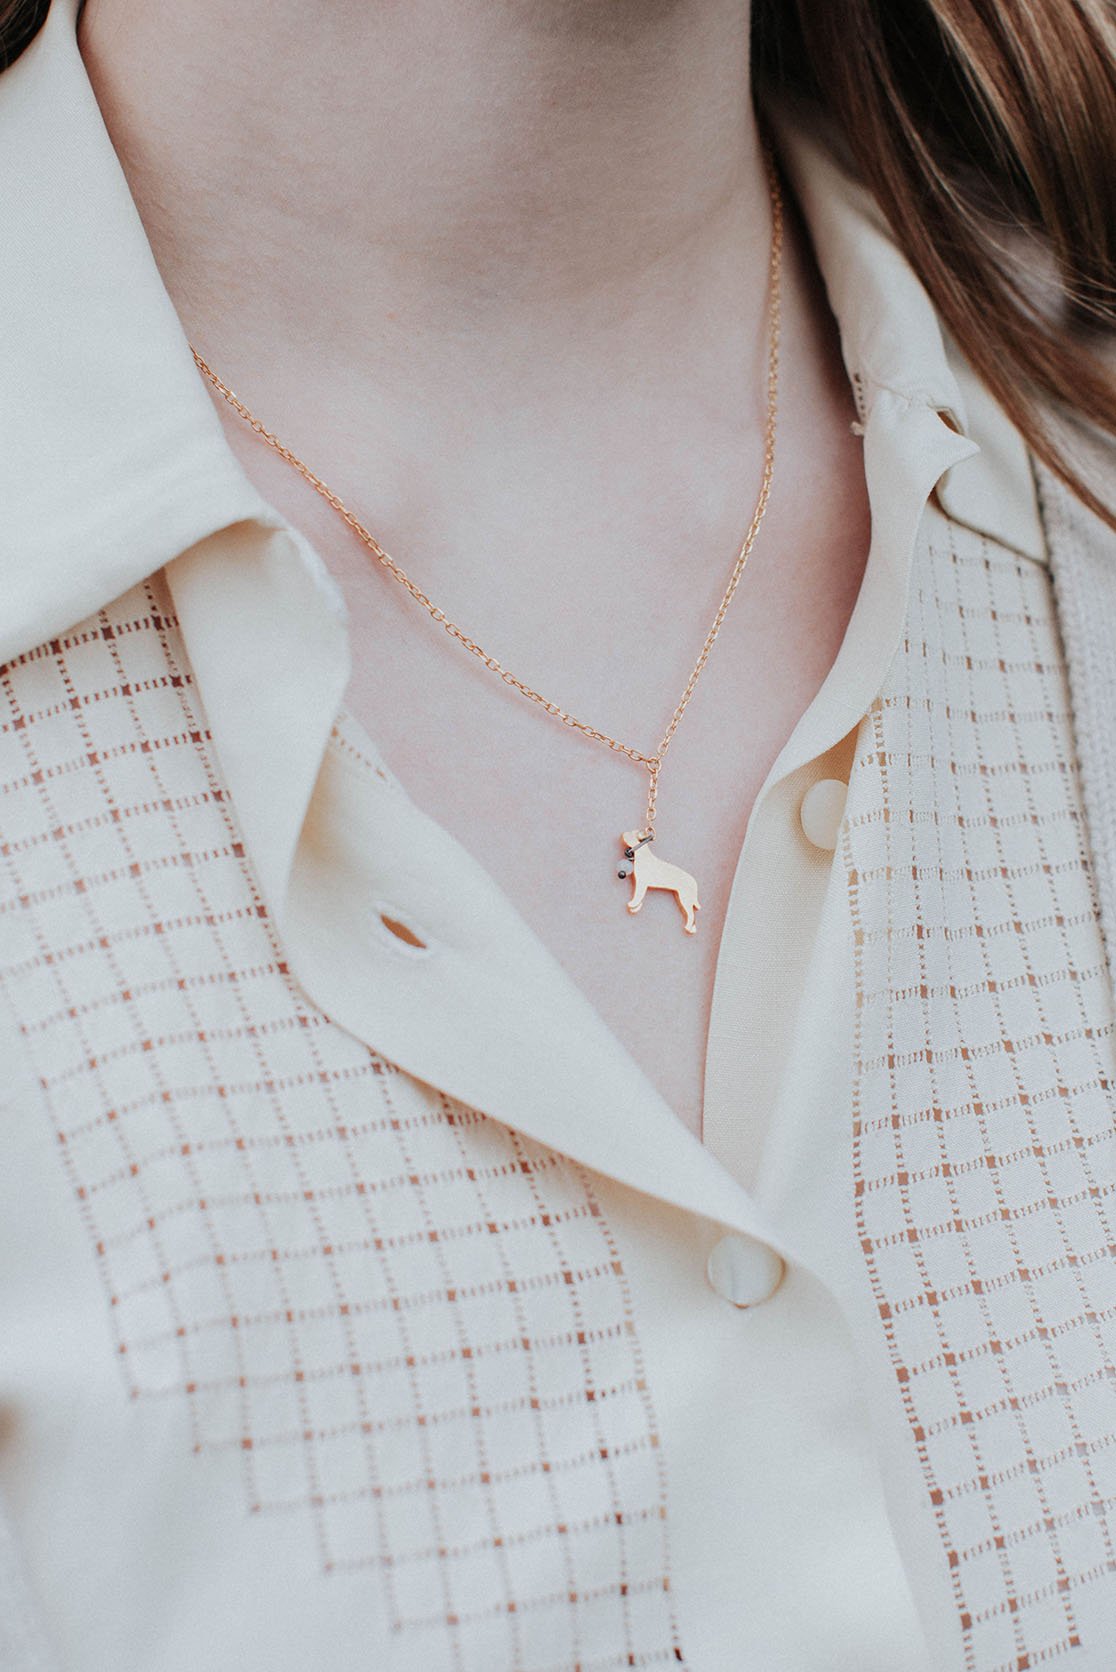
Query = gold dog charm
x=648 y=871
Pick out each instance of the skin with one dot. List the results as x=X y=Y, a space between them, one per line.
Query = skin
x=497 y=269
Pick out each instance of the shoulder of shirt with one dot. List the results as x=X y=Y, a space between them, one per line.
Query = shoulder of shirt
x=994 y=491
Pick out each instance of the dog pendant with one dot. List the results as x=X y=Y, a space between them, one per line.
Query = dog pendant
x=649 y=871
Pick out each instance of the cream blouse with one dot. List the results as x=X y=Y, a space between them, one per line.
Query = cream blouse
x=361 y=1303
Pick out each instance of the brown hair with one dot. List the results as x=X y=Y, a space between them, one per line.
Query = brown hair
x=987 y=131
x=20 y=21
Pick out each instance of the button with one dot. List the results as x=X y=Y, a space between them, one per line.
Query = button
x=823 y=808
x=744 y=1271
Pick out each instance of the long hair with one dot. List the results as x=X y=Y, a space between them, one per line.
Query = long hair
x=987 y=131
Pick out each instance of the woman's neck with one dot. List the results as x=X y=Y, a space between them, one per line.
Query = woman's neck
x=370 y=178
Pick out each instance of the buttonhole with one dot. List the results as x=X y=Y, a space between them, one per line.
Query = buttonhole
x=403 y=935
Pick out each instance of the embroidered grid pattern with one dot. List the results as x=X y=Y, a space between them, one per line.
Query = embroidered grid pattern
x=398 y=1318
x=985 y=1143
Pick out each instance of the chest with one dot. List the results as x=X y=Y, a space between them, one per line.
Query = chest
x=545 y=810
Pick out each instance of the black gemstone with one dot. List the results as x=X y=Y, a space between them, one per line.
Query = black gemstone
x=621 y=874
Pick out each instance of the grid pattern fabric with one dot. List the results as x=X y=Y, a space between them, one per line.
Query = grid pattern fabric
x=401 y=1321
x=984 y=1132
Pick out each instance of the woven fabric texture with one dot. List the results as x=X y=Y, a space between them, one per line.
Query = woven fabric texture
x=983 y=1129
x=410 y=1327
x=408 y=1324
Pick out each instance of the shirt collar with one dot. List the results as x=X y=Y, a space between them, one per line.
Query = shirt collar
x=892 y=338
x=114 y=460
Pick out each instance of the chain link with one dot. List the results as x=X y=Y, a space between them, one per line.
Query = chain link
x=653 y=762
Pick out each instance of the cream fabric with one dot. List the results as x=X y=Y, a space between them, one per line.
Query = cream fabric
x=1083 y=565
x=353 y=1295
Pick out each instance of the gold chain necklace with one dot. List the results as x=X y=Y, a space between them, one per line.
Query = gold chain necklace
x=648 y=871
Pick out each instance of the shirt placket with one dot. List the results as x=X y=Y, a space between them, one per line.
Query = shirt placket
x=787 y=860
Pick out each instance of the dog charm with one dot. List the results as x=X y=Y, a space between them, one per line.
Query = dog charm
x=649 y=871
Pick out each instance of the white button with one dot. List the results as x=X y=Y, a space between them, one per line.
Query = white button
x=823 y=808
x=744 y=1271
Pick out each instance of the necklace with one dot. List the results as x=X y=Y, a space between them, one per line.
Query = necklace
x=648 y=870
